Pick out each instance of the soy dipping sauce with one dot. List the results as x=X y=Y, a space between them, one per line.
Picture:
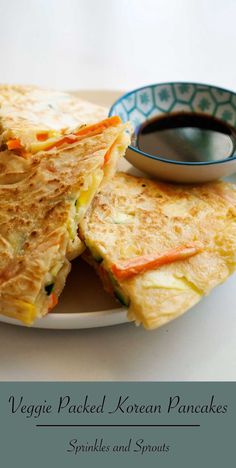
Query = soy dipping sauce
x=187 y=137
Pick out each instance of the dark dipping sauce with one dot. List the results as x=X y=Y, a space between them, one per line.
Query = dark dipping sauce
x=187 y=137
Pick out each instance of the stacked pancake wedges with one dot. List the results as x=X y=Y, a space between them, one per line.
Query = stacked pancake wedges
x=56 y=152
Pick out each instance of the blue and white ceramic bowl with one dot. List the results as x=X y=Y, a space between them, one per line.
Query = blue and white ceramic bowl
x=150 y=101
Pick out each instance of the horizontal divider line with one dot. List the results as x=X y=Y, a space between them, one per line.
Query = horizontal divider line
x=117 y=425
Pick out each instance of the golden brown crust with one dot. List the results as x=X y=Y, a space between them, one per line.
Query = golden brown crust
x=28 y=110
x=135 y=216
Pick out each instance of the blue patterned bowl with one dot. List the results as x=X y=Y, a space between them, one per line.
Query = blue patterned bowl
x=145 y=103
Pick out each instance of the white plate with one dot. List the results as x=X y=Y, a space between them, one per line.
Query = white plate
x=84 y=303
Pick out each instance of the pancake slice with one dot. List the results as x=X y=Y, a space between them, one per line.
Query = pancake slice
x=159 y=248
x=33 y=119
x=43 y=198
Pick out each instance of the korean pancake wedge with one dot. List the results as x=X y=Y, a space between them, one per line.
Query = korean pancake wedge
x=33 y=118
x=160 y=247
x=42 y=200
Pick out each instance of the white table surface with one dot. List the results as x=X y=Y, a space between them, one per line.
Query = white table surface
x=198 y=346
x=119 y=44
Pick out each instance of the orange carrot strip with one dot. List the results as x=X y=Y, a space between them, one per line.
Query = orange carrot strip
x=66 y=139
x=86 y=132
x=14 y=144
x=53 y=301
x=108 y=153
x=134 y=266
x=42 y=136
x=115 y=120
x=106 y=279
